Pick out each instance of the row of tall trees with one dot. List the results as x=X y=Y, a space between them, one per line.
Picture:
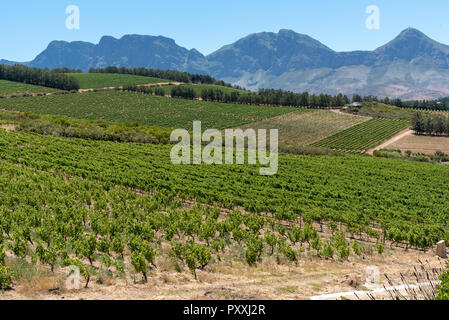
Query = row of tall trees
x=263 y=97
x=276 y=98
x=163 y=74
x=288 y=98
x=183 y=92
x=433 y=124
x=412 y=104
x=40 y=77
x=67 y=70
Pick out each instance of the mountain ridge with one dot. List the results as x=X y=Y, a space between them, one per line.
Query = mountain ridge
x=411 y=66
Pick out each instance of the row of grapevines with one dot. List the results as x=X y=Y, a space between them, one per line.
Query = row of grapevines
x=399 y=201
x=364 y=135
x=57 y=221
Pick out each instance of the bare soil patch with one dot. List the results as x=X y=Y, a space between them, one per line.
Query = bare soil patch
x=8 y=127
x=423 y=144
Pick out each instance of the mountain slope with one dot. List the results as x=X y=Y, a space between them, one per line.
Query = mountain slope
x=271 y=52
x=7 y=62
x=131 y=51
x=411 y=66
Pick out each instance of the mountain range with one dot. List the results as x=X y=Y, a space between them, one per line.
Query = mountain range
x=411 y=66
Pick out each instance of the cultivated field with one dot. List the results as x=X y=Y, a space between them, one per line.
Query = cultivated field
x=144 y=109
x=381 y=110
x=364 y=136
x=423 y=144
x=104 y=80
x=120 y=211
x=385 y=111
x=303 y=127
x=8 y=88
x=322 y=188
x=139 y=227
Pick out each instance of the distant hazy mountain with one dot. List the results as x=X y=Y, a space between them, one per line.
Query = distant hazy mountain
x=412 y=66
x=129 y=51
x=7 y=62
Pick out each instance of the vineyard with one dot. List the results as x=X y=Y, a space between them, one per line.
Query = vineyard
x=364 y=135
x=8 y=88
x=86 y=180
x=145 y=109
x=103 y=80
x=302 y=127
x=386 y=111
x=118 y=206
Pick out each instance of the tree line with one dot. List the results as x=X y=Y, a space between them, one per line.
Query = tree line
x=431 y=124
x=262 y=97
x=67 y=70
x=39 y=77
x=163 y=74
x=273 y=97
x=411 y=104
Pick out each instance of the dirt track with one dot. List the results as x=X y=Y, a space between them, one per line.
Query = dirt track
x=399 y=136
x=160 y=84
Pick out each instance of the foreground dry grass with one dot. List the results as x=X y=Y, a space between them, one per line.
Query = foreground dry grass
x=233 y=280
x=423 y=144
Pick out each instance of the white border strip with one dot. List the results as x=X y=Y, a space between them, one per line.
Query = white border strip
x=380 y=290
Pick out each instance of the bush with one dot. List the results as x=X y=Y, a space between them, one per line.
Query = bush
x=254 y=251
x=328 y=251
x=289 y=253
x=159 y=91
x=358 y=250
x=443 y=288
x=5 y=277
x=380 y=248
x=341 y=245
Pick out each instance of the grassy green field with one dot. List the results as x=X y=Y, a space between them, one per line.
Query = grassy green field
x=381 y=110
x=364 y=136
x=144 y=109
x=303 y=127
x=8 y=88
x=104 y=80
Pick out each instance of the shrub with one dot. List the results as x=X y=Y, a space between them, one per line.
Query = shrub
x=254 y=250
x=5 y=277
x=380 y=248
x=159 y=91
x=443 y=288
x=358 y=250
x=328 y=251
x=289 y=253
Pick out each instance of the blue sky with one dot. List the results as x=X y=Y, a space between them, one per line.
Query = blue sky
x=28 y=26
